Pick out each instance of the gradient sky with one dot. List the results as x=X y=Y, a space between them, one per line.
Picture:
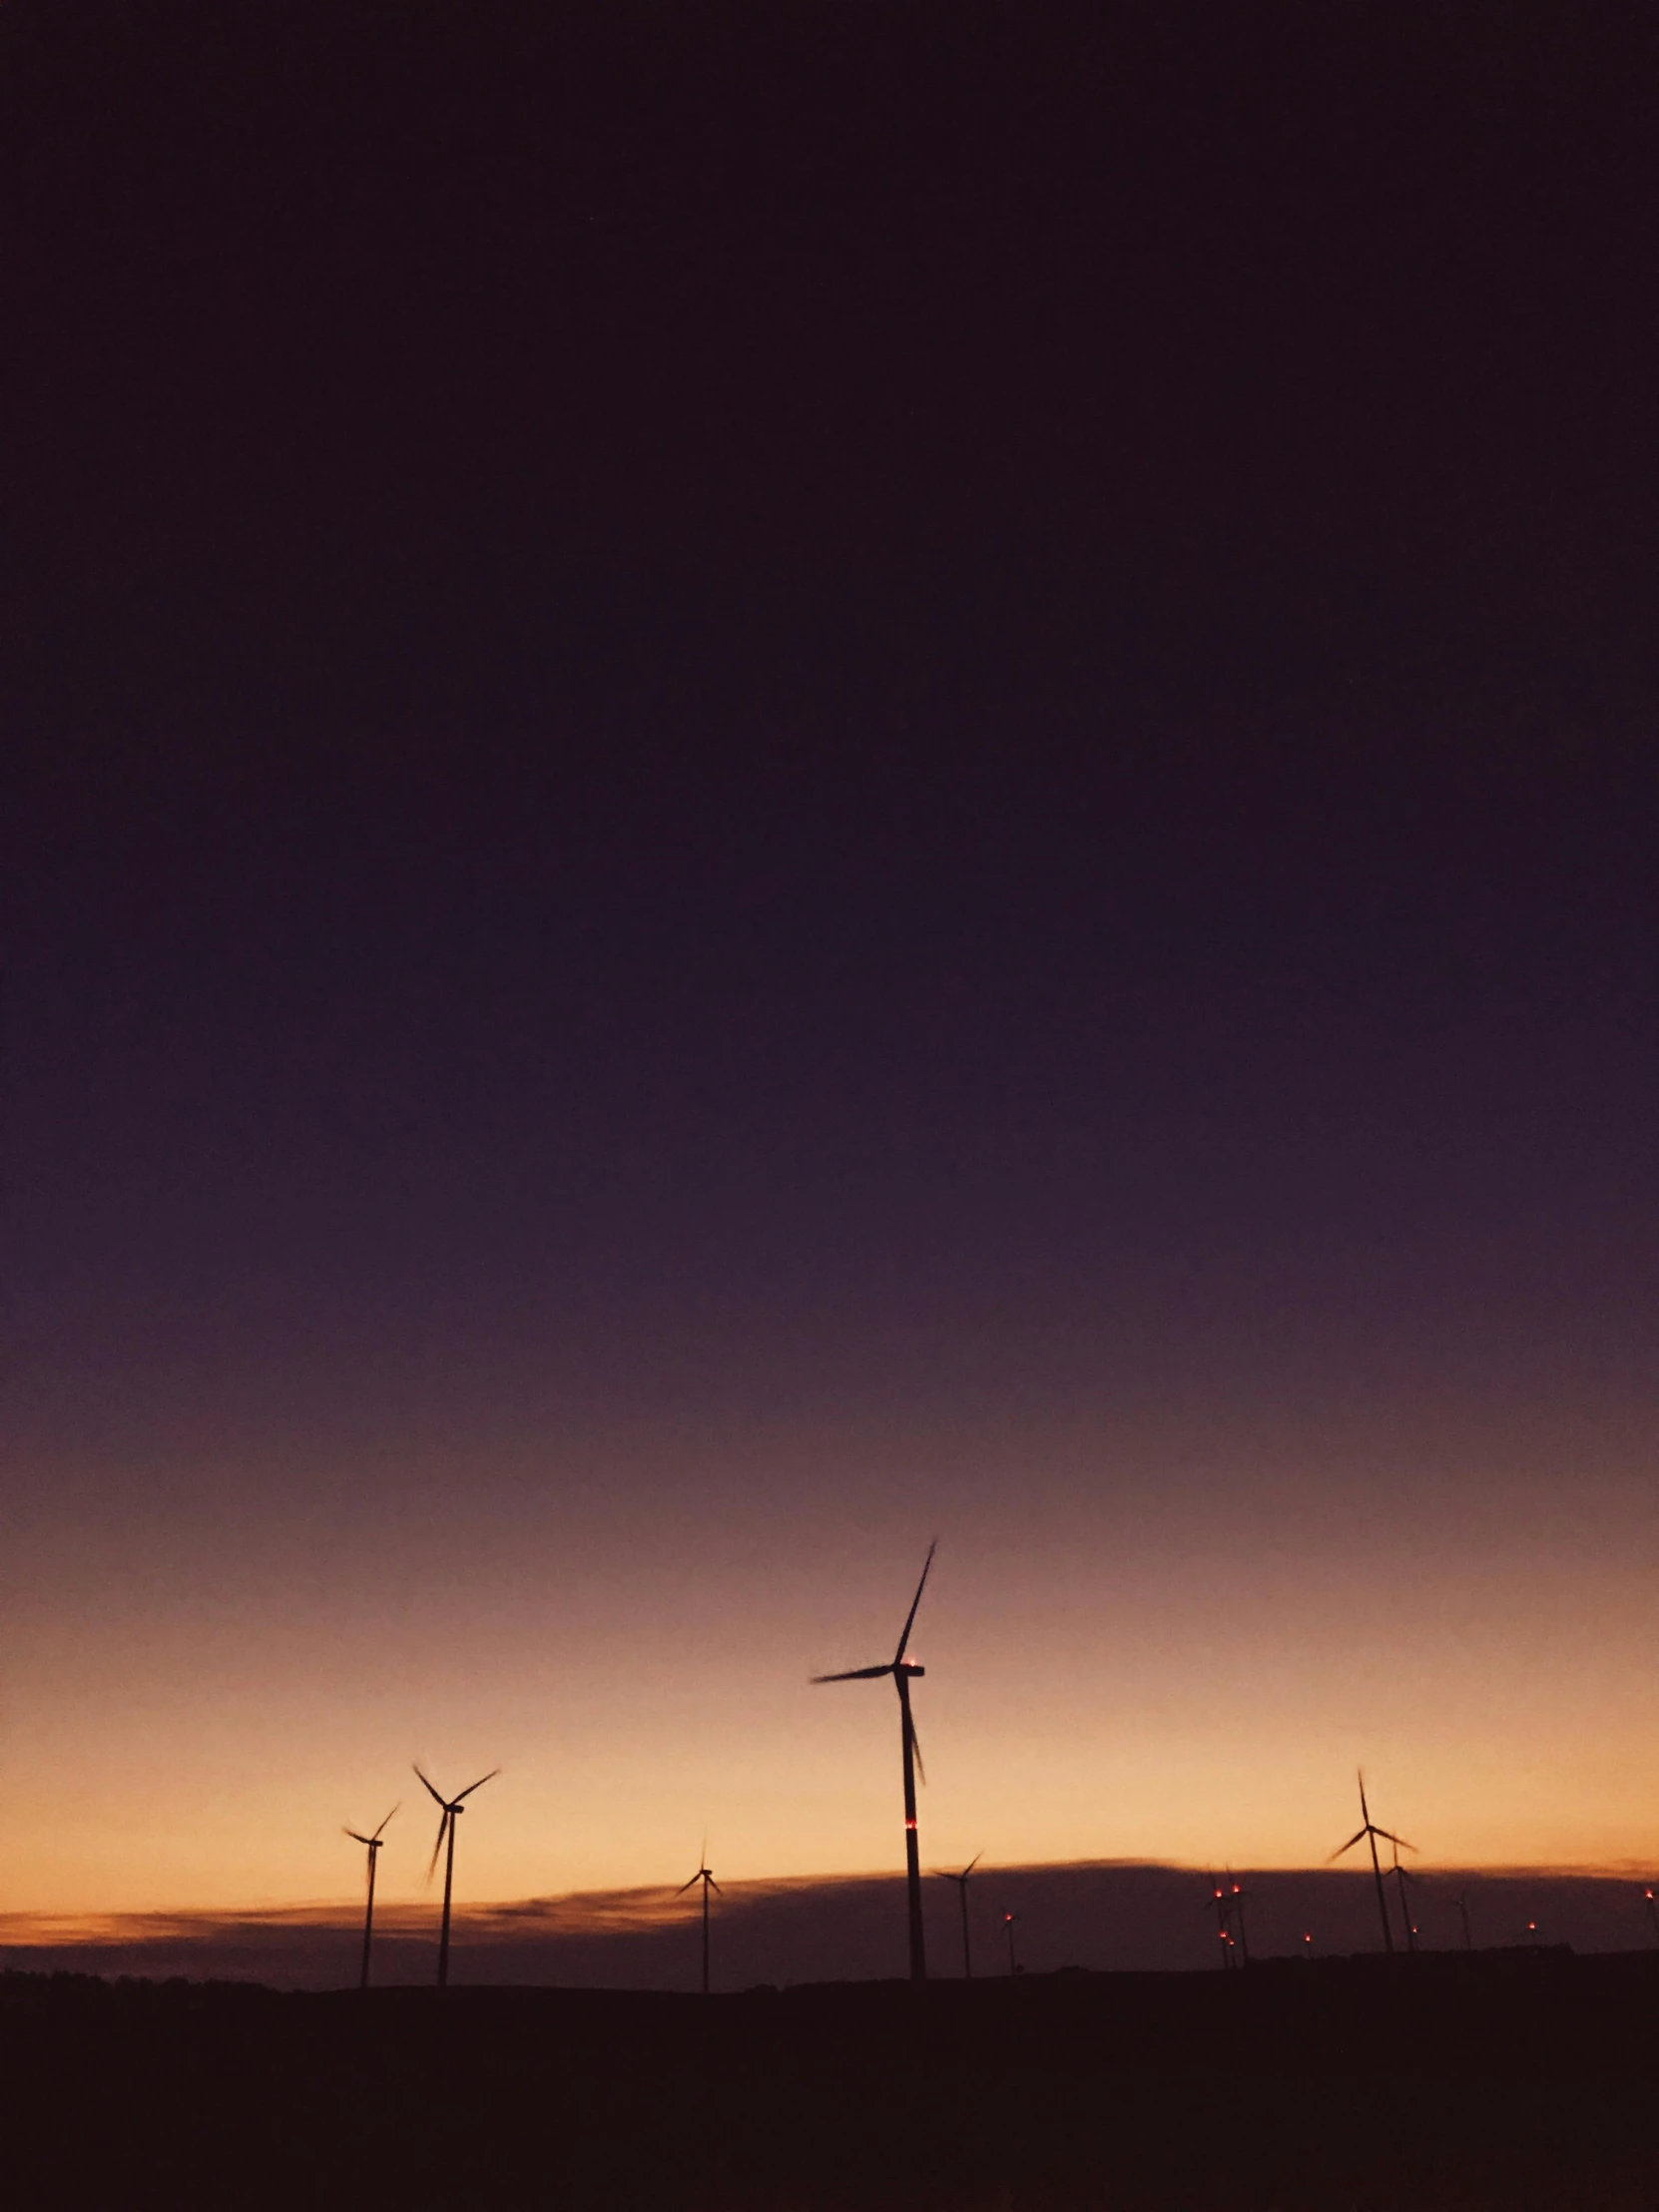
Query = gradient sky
x=793 y=784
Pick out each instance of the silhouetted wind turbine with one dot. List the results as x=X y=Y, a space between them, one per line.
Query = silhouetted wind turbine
x=1237 y=1900
x=961 y=1882
x=1653 y=1914
x=1462 y=1904
x=1008 y=1920
x=903 y=1671
x=374 y=1843
x=449 y=1812
x=1369 y=1832
x=708 y=1883
x=1224 y=1915
x=1404 y=1898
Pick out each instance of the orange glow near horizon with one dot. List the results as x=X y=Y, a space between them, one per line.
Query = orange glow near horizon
x=197 y=1704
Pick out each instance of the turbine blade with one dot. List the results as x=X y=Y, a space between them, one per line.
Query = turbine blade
x=691 y=1885
x=443 y=1829
x=479 y=1783
x=915 y=1752
x=430 y=1792
x=1399 y=1841
x=973 y=1862
x=853 y=1674
x=715 y=1886
x=1358 y=1836
x=380 y=1831
x=355 y=1838
x=909 y=1618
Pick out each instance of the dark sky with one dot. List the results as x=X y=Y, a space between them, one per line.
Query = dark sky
x=800 y=776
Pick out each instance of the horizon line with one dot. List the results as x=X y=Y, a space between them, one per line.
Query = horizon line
x=642 y=1905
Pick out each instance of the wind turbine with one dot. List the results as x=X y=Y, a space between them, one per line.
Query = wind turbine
x=903 y=1671
x=1008 y=1920
x=1237 y=1900
x=1653 y=1914
x=1224 y=1917
x=449 y=1811
x=1405 y=1897
x=961 y=1882
x=1461 y=1901
x=1369 y=1832
x=708 y=1883
x=374 y=1843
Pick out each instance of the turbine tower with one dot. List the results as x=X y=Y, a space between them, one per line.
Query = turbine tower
x=1008 y=1920
x=961 y=1882
x=903 y=1671
x=1224 y=1922
x=1404 y=1899
x=374 y=1843
x=708 y=1883
x=1461 y=1901
x=449 y=1812
x=1368 y=1833
x=1236 y=1899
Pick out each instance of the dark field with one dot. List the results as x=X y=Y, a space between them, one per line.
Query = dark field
x=1499 y=2080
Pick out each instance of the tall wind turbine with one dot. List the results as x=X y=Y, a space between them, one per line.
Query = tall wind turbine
x=374 y=1843
x=903 y=1671
x=961 y=1882
x=1368 y=1833
x=449 y=1812
x=708 y=1883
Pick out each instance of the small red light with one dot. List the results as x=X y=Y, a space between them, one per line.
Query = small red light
x=910 y=1823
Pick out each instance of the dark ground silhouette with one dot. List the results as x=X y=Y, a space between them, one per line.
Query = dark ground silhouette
x=1500 y=2079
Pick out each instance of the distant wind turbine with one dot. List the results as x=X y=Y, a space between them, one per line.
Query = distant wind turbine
x=708 y=1883
x=961 y=1882
x=903 y=1671
x=1008 y=1920
x=374 y=1843
x=1461 y=1901
x=1224 y=1918
x=1404 y=1898
x=449 y=1812
x=1368 y=1833
x=1653 y=1914
x=1237 y=1900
